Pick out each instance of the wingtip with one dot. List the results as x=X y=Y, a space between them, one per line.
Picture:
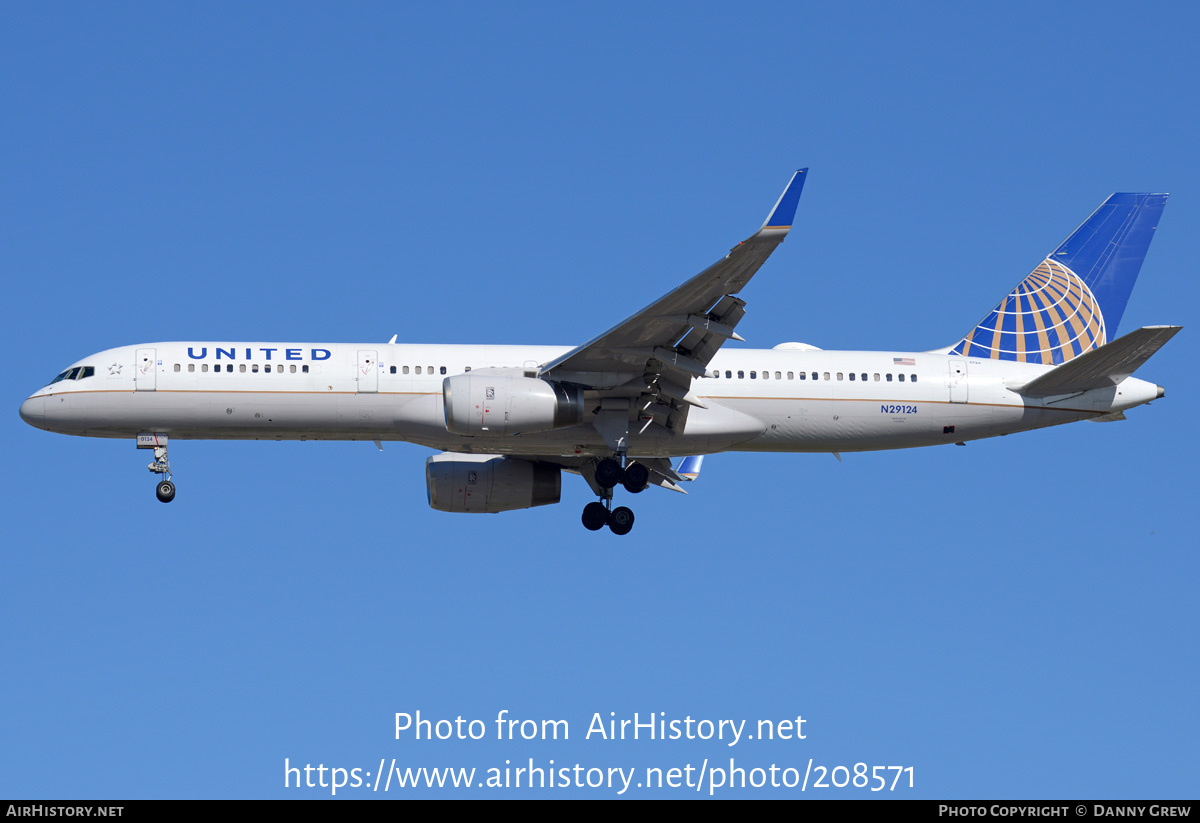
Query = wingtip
x=784 y=212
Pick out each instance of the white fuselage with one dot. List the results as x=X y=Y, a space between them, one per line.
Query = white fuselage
x=757 y=400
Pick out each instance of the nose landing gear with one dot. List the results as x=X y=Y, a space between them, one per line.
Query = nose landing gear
x=608 y=475
x=164 y=490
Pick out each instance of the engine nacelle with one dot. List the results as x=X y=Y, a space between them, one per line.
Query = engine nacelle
x=487 y=483
x=492 y=404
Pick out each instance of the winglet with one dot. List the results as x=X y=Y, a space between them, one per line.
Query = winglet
x=689 y=469
x=785 y=208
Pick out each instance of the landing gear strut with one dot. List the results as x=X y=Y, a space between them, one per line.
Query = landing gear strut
x=164 y=490
x=609 y=474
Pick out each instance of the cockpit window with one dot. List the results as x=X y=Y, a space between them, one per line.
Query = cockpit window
x=76 y=373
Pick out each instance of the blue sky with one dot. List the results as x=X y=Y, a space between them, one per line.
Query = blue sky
x=1016 y=618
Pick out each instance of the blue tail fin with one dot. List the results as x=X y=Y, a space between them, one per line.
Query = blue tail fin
x=1073 y=301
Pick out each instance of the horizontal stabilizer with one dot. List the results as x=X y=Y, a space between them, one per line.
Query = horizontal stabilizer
x=1102 y=367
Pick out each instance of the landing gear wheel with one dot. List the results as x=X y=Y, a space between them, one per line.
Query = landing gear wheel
x=594 y=516
x=165 y=491
x=621 y=520
x=608 y=473
x=637 y=478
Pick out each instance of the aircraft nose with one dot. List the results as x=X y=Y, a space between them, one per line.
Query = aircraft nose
x=33 y=411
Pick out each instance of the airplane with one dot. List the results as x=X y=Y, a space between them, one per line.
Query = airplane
x=508 y=420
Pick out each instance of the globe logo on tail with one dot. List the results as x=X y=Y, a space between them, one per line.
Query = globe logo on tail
x=1049 y=318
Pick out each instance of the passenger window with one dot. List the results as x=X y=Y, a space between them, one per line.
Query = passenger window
x=913 y=378
x=176 y=367
x=826 y=375
x=418 y=369
x=901 y=377
x=741 y=375
x=392 y=370
x=753 y=375
x=465 y=368
x=889 y=377
x=267 y=368
x=864 y=377
x=777 y=377
x=442 y=370
x=254 y=368
x=405 y=369
x=791 y=378
x=839 y=375
x=242 y=368
x=430 y=371
x=876 y=377
x=803 y=375
x=304 y=368
x=728 y=374
x=204 y=367
x=292 y=368
x=851 y=375
x=766 y=375
x=814 y=375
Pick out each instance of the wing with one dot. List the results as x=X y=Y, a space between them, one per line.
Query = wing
x=652 y=356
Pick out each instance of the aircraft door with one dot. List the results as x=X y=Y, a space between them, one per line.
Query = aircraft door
x=145 y=375
x=368 y=372
x=958 y=381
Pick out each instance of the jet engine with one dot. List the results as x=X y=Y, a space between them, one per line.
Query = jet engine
x=492 y=404
x=487 y=483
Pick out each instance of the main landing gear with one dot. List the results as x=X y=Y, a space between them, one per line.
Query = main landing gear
x=164 y=490
x=634 y=477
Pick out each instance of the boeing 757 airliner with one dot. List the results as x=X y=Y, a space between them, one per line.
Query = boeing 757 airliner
x=508 y=420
